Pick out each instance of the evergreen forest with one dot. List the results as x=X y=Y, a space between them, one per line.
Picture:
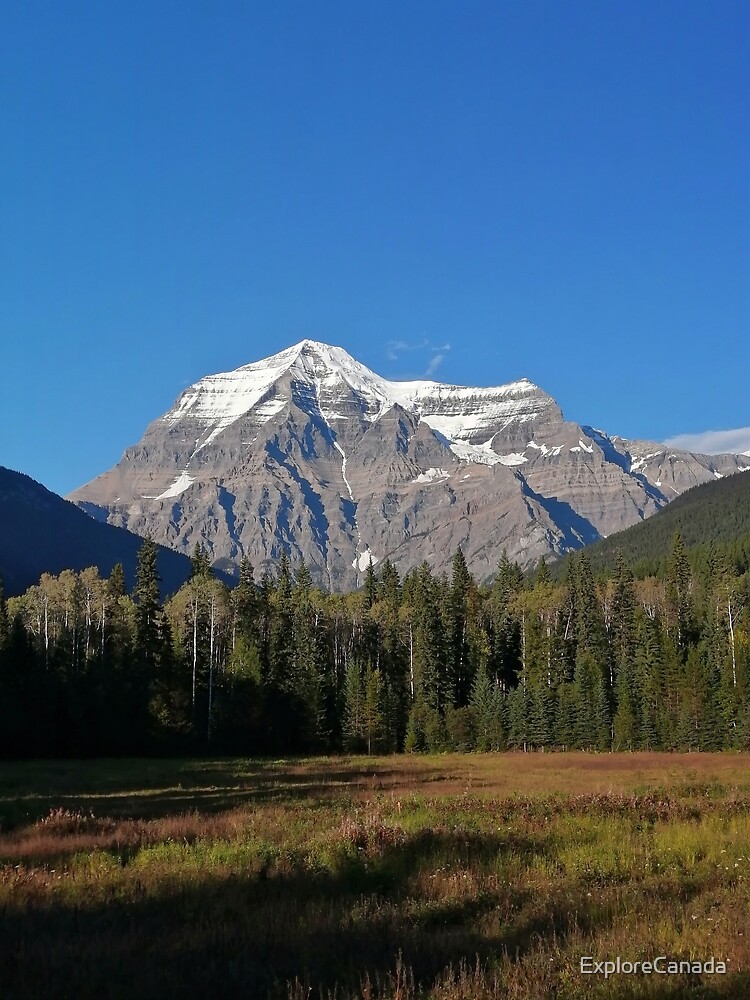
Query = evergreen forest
x=278 y=666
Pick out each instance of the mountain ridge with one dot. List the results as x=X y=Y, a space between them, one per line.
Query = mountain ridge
x=310 y=452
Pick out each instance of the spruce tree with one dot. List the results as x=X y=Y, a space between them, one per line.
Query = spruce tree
x=482 y=701
x=625 y=723
x=148 y=607
x=371 y=585
x=246 y=601
x=200 y=564
x=353 y=708
x=148 y=637
x=678 y=594
x=372 y=710
x=459 y=667
x=116 y=583
x=518 y=717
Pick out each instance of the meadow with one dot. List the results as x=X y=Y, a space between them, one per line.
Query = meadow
x=452 y=876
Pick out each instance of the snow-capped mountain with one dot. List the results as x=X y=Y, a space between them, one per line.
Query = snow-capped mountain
x=311 y=451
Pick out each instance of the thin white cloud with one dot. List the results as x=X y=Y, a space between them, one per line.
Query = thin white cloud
x=432 y=367
x=394 y=348
x=736 y=442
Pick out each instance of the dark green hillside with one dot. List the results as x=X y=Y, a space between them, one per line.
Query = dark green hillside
x=707 y=515
x=42 y=533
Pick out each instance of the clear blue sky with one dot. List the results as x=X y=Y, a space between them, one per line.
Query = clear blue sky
x=556 y=190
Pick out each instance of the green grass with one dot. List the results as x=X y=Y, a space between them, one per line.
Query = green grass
x=445 y=877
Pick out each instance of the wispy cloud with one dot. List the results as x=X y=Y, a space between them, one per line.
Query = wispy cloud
x=395 y=348
x=714 y=442
x=432 y=367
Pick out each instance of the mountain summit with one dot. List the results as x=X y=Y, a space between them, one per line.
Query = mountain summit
x=310 y=452
x=329 y=382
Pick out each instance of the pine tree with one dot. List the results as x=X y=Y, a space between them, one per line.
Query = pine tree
x=116 y=583
x=389 y=584
x=246 y=599
x=592 y=717
x=518 y=717
x=503 y=626
x=625 y=723
x=482 y=701
x=148 y=607
x=566 y=716
x=678 y=594
x=372 y=710
x=459 y=667
x=354 y=700
x=200 y=564
x=371 y=585
x=541 y=712
x=700 y=725
x=589 y=623
x=429 y=652
x=623 y=626
x=148 y=637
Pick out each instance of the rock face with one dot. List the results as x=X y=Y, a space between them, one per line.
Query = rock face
x=311 y=452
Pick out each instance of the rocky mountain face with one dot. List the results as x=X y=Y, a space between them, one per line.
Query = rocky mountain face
x=311 y=452
x=42 y=533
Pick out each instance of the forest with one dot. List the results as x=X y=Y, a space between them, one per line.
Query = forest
x=431 y=663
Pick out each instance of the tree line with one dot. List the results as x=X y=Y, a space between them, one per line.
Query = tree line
x=419 y=663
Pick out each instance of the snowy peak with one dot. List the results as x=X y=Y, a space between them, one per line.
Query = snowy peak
x=310 y=452
x=330 y=376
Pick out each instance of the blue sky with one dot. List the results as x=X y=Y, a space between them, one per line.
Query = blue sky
x=481 y=191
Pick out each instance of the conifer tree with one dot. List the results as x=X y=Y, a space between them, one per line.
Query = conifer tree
x=148 y=638
x=623 y=627
x=246 y=600
x=116 y=583
x=148 y=608
x=678 y=594
x=354 y=701
x=625 y=723
x=200 y=564
x=371 y=585
x=372 y=710
x=589 y=623
x=503 y=625
x=518 y=717
x=483 y=702
x=459 y=667
x=541 y=714
x=389 y=584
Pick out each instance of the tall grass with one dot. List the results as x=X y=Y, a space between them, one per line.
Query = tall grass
x=480 y=877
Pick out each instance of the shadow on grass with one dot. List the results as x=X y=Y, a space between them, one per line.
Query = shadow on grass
x=166 y=788
x=249 y=935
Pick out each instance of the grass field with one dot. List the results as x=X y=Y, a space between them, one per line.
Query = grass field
x=475 y=876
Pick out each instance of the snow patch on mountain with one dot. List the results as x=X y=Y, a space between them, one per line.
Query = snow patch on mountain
x=459 y=413
x=181 y=483
x=432 y=476
x=363 y=561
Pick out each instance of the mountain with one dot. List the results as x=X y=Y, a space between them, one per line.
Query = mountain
x=715 y=513
x=312 y=452
x=42 y=533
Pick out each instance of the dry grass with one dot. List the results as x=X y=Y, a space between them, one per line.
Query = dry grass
x=451 y=877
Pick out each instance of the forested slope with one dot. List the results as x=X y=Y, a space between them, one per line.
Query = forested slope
x=424 y=662
x=42 y=533
x=707 y=515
